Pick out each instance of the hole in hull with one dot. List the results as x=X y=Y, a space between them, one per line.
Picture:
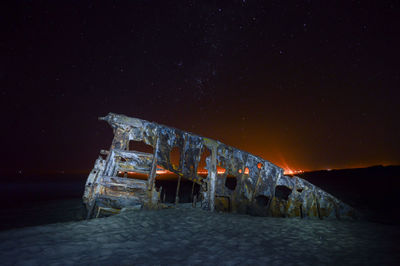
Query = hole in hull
x=261 y=201
x=282 y=192
x=246 y=171
x=231 y=183
x=140 y=146
x=175 y=157
x=201 y=168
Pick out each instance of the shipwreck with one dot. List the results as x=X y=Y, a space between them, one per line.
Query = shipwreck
x=256 y=186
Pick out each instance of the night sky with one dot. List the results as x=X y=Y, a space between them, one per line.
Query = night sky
x=307 y=85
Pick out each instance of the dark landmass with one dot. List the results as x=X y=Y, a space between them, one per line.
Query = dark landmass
x=372 y=190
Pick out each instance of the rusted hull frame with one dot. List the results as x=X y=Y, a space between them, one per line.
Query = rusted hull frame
x=256 y=191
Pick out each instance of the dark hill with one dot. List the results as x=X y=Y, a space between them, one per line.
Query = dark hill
x=373 y=190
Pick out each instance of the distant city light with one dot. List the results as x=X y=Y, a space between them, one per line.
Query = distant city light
x=288 y=171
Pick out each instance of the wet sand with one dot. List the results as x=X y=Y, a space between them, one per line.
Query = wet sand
x=192 y=237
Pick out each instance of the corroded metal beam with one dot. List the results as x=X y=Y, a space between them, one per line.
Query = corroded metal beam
x=260 y=187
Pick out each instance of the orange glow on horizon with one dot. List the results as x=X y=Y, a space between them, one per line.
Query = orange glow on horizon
x=220 y=170
x=288 y=171
x=162 y=171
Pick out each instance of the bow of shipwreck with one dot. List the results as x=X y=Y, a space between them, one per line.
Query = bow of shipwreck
x=260 y=188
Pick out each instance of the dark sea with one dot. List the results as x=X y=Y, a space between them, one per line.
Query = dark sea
x=40 y=199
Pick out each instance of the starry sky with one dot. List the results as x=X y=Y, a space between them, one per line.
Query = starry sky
x=306 y=85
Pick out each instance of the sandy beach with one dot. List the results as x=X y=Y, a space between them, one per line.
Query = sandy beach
x=191 y=236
